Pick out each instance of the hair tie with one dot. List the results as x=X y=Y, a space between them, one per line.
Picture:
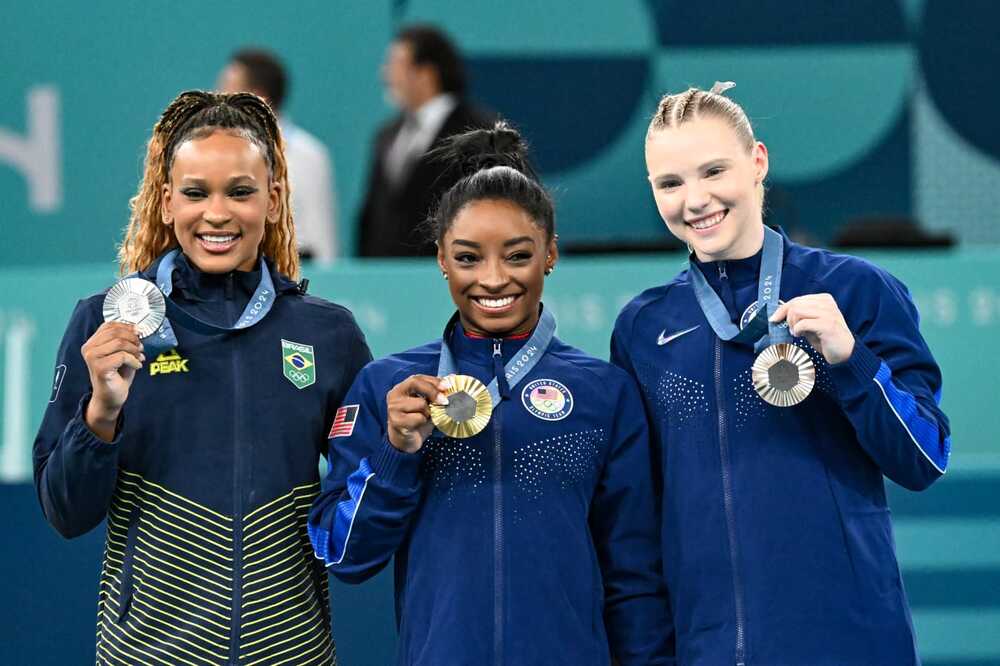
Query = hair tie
x=721 y=86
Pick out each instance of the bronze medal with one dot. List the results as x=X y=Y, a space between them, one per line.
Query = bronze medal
x=783 y=375
x=468 y=410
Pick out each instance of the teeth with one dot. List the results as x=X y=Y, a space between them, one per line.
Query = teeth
x=496 y=302
x=218 y=239
x=707 y=222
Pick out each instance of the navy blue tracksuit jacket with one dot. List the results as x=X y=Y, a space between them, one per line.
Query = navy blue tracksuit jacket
x=777 y=544
x=207 y=484
x=532 y=543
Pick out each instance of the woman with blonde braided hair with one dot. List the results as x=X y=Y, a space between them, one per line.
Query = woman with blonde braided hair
x=198 y=437
x=146 y=238
x=783 y=384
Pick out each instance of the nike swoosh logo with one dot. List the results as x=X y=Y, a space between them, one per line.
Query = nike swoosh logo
x=663 y=339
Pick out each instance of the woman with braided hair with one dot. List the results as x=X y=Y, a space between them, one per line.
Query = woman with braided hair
x=506 y=472
x=782 y=383
x=200 y=441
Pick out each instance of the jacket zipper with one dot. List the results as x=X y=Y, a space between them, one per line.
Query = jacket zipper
x=727 y=490
x=497 y=516
x=234 y=643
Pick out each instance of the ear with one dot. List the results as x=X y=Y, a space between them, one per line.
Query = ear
x=429 y=77
x=165 y=200
x=760 y=161
x=274 y=191
x=552 y=253
x=440 y=259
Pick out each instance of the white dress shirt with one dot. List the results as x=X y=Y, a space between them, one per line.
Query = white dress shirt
x=310 y=175
x=417 y=134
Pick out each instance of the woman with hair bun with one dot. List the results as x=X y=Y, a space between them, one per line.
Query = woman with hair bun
x=200 y=440
x=507 y=472
x=782 y=383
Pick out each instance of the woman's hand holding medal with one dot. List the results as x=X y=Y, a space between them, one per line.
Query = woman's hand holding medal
x=408 y=406
x=112 y=354
x=817 y=318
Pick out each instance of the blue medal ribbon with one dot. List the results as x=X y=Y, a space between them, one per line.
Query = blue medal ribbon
x=164 y=338
x=518 y=366
x=759 y=332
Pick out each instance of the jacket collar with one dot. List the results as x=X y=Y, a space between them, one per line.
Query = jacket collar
x=478 y=350
x=738 y=271
x=197 y=285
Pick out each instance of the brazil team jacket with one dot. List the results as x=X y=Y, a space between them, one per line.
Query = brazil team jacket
x=533 y=543
x=777 y=544
x=208 y=482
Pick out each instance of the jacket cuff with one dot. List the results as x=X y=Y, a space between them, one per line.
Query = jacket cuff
x=79 y=432
x=396 y=467
x=855 y=375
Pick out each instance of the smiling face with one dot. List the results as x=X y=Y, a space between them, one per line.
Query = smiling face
x=495 y=258
x=218 y=200
x=707 y=187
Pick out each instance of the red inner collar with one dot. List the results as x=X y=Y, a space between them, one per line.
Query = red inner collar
x=476 y=336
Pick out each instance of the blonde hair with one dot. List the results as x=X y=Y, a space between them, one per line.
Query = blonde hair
x=679 y=108
x=195 y=114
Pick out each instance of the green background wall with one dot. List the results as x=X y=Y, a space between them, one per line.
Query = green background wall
x=868 y=107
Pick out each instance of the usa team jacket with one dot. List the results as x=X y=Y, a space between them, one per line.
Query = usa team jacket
x=777 y=544
x=533 y=543
x=207 y=485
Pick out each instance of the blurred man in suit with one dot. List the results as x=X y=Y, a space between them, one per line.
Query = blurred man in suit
x=425 y=78
x=310 y=168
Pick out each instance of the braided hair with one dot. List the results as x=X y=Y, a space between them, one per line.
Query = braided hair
x=679 y=108
x=195 y=114
x=492 y=164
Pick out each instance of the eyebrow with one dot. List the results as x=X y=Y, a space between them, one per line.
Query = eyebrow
x=195 y=180
x=704 y=165
x=506 y=243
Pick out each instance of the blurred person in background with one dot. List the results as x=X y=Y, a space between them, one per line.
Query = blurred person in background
x=310 y=167
x=783 y=383
x=182 y=439
x=424 y=77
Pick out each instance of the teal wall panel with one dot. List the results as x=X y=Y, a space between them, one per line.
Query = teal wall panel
x=834 y=96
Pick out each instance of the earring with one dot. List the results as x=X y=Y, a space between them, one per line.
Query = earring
x=549 y=269
x=444 y=275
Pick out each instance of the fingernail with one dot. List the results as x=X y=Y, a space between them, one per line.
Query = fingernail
x=441 y=399
x=445 y=384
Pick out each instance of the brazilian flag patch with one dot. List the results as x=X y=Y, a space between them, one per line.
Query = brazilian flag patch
x=298 y=363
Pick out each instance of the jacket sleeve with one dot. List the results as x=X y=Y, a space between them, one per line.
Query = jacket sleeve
x=625 y=524
x=890 y=387
x=75 y=471
x=371 y=492
x=619 y=344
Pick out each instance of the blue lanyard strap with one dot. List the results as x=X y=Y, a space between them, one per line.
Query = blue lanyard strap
x=518 y=367
x=759 y=331
x=164 y=338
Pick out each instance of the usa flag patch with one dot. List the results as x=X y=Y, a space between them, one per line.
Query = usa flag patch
x=343 y=422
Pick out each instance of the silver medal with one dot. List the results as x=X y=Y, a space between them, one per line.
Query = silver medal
x=138 y=302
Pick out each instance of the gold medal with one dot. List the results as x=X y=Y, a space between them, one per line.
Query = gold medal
x=783 y=375
x=468 y=410
x=136 y=301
